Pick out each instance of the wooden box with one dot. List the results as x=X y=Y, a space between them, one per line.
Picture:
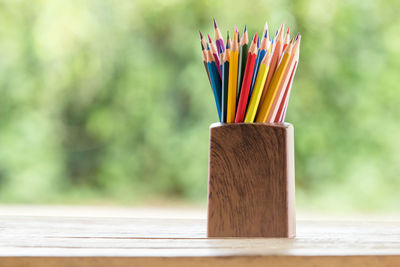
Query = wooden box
x=251 y=190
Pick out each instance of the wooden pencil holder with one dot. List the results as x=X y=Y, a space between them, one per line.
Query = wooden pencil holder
x=251 y=186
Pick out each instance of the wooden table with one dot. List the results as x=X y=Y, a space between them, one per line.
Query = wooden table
x=62 y=237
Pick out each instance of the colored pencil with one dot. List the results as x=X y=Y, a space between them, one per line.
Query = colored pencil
x=203 y=41
x=268 y=35
x=248 y=74
x=286 y=40
x=244 y=49
x=214 y=52
x=232 y=83
x=276 y=55
x=280 y=91
x=266 y=105
x=225 y=81
x=258 y=87
x=215 y=80
x=219 y=41
x=280 y=117
x=251 y=81
x=204 y=57
x=260 y=56
x=284 y=83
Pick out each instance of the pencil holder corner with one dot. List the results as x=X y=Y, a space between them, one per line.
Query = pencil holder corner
x=251 y=183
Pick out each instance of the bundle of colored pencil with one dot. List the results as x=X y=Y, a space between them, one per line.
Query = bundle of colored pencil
x=251 y=82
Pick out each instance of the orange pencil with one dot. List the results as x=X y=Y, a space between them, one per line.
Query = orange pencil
x=282 y=85
x=276 y=55
x=246 y=84
x=232 y=80
x=280 y=116
x=265 y=108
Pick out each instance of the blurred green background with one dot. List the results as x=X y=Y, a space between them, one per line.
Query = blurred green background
x=107 y=102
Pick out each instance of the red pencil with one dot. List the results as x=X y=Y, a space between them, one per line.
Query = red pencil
x=248 y=74
x=286 y=40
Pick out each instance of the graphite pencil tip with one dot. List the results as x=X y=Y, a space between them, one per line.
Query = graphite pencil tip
x=245 y=28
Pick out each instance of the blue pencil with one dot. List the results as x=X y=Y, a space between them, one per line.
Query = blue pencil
x=216 y=83
x=260 y=56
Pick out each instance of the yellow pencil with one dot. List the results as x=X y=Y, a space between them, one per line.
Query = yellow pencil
x=273 y=87
x=258 y=88
x=232 y=82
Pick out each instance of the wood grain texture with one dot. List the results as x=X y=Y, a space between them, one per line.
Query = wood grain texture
x=251 y=180
x=78 y=240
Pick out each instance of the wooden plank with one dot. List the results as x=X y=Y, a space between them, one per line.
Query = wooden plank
x=240 y=261
x=83 y=241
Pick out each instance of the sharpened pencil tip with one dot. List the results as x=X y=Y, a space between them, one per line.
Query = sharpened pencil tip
x=255 y=38
x=266 y=34
x=245 y=28
x=208 y=47
x=288 y=31
x=201 y=35
x=236 y=29
x=209 y=38
x=215 y=24
x=227 y=35
x=298 y=39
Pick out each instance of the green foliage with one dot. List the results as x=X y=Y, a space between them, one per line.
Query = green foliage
x=108 y=101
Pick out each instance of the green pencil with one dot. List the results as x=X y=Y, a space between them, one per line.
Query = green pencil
x=225 y=80
x=244 y=49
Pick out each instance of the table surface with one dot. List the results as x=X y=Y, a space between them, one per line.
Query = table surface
x=56 y=236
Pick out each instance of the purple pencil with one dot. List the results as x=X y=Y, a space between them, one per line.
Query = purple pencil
x=214 y=51
x=219 y=40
